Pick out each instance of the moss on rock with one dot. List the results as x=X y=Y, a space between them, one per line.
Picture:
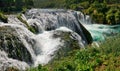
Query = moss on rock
x=69 y=43
x=25 y=22
x=12 y=45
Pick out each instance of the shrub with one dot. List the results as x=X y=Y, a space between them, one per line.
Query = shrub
x=12 y=69
x=113 y=16
x=84 y=4
x=3 y=18
x=98 y=17
x=117 y=17
x=73 y=6
x=24 y=9
x=110 y=19
x=39 y=68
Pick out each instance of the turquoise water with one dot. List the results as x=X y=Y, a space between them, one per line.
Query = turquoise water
x=100 y=32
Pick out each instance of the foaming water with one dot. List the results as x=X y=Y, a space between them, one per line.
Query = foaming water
x=99 y=32
x=45 y=47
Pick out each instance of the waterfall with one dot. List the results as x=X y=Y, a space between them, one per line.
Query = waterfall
x=58 y=32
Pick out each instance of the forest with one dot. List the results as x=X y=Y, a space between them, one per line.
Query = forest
x=15 y=5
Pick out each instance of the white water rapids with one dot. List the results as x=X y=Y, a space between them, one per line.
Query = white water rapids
x=51 y=25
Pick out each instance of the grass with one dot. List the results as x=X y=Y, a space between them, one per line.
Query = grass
x=104 y=58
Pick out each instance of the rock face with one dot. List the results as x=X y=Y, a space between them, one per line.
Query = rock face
x=12 y=45
x=87 y=34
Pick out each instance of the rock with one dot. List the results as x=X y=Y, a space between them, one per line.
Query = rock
x=6 y=64
x=71 y=41
x=12 y=45
x=86 y=34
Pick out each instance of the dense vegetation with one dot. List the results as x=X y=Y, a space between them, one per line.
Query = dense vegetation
x=101 y=11
x=3 y=18
x=15 y=5
x=104 y=58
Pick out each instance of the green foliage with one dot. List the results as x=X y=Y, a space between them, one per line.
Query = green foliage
x=73 y=6
x=98 y=17
x=24 y=9
x=101 y=13
x=3 y=18
x=11 y=69
x=39 y=68
x=113 y=16
x=84 y=4
x=110 y=18
x=15 y=5
x=104 y=58
x=49 y=3
x=117 y=17
x=102 y=7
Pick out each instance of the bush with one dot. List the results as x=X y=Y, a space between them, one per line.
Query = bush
x=117 y=17
x=113 y=16
x=110 y=18
x=24 y=9
x=39 y=68
x=84 y=4
x=98 y=17
x=73 y=6
x=3 y=18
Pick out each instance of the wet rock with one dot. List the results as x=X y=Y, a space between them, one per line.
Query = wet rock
x=12 y=45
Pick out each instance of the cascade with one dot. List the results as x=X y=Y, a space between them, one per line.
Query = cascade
x=58 y=32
